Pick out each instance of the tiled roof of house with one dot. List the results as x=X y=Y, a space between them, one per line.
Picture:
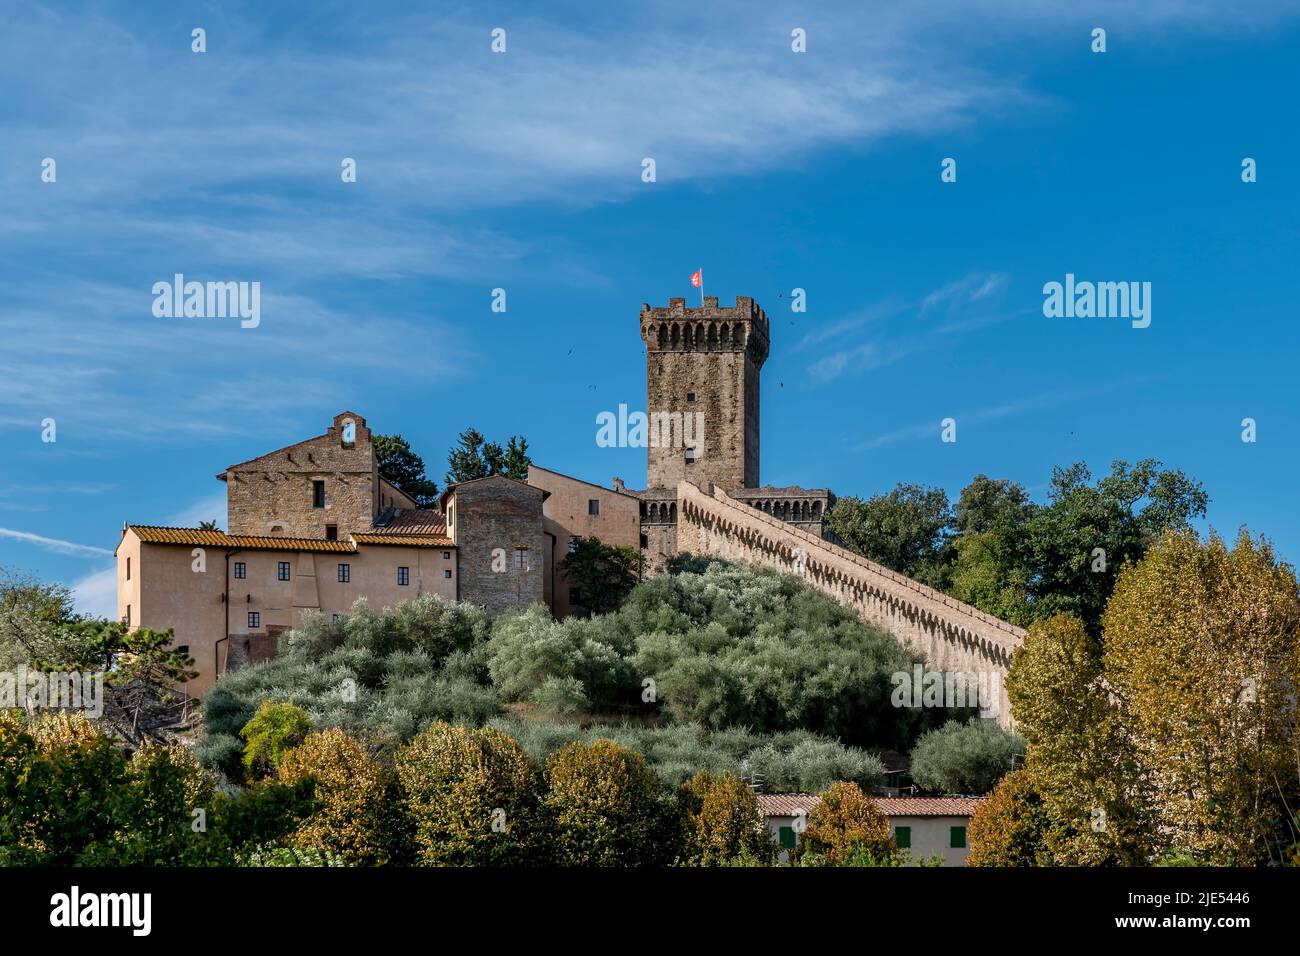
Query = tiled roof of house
x=789 y=804
x=156 y=534
x=191 y=537
x=409 y=540
x=410 y=521
x=786 y=804
x=928 y=806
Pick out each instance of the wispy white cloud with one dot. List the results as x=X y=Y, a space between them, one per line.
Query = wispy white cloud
x=53 y=544
x=965 y=291
x=211 y=508
x=933 y=429
x=96 y=593
x=888 y=317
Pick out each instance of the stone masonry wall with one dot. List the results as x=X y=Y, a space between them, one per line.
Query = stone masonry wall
x=951 y=635
x=273 y=494
x=714 y=353
x=496 y=513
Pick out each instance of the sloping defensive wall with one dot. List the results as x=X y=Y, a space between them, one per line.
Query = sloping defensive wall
x=952 y=636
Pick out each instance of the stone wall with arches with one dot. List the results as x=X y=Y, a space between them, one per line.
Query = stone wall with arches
x=952 y=636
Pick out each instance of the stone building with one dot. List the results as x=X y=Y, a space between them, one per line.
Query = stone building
x=706 y=362
x=313 y=526
x=923 y=827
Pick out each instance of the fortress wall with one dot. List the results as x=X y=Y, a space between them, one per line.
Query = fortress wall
x=951 y=635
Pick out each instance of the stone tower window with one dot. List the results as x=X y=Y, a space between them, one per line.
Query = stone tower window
x=593 y=506
x=331 y=532
x=690 y=396
x=521 y=559
x=318 y=494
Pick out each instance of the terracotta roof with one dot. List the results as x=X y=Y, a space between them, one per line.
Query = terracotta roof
x=409 y=540
x=156 y=534
x=928 y=806
x=786 y=804
x=410 y=521
x=789 y=804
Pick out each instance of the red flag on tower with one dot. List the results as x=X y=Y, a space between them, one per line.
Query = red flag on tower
x=697 y=278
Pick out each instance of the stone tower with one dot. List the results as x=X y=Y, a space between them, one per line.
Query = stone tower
x=704 y=363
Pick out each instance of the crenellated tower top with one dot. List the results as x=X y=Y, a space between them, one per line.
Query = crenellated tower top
x=707 y=328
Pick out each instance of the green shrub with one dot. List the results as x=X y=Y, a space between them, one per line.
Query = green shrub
x=790 y=762
x=723 y=822
x=223 y=753
x=965 y=758
x=474 y=798
x=354 y=819
x=225 y=712
x=848 y=829
x=560 y=697
x=70 y=797
x=610 y=808
x=273 y=730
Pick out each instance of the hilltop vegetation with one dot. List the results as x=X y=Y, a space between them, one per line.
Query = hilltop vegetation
x=716 y=667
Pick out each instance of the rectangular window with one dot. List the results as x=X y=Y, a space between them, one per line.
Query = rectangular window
x=183 y=649
x=334 y=618
x=446 y=555
x=903 y=837
x=593 y=506
x=282 y=571
x=789 y=839
x=403 y=576
x=447 y=573
x=128 y=569
x=690 y=456
x=957 y=838
x=690 y=396
x=645 y=542
x=521 y=559
x=318 y=494
x=241 y=570
x=128 y=616
x=254 y=620
x=345 y=573
x=331 y=532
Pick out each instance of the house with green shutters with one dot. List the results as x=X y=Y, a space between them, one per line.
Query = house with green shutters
x=923 y=826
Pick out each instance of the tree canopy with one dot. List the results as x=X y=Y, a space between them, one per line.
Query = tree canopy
x=404 y=469
x=476 y=457
x=1020 y=560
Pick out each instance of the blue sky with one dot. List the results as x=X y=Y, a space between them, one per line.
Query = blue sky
x=522 y=170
